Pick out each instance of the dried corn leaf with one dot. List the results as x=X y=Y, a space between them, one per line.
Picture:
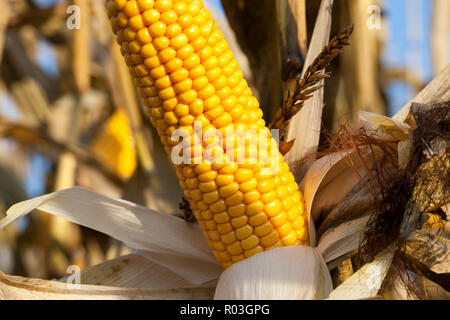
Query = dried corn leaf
x=133 y=271
x=18 y=288
x=367 y=281
x=306 y=123
x=136 y=226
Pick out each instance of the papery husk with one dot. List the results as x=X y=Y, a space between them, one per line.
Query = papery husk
x=183 y=250
x=367 y=281
x=307 y=122
x=133 y=271
x=284 y=273
x=19 y=288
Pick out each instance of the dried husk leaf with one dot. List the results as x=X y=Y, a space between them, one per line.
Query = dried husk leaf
x=382 y=127
x=339 y=241
x=307 y=122
x=284 y=273
x=18 y=288
x=136 y=226
x=133 y=271
x=367 y=281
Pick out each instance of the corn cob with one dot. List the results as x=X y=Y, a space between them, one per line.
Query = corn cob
x=186 y=74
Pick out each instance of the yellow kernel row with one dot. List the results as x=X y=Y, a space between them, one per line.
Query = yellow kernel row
x=186 y=74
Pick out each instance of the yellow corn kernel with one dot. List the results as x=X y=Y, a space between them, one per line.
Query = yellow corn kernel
x=235 y=249
x=185 y=72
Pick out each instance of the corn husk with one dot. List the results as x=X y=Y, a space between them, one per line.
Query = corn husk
x=367 y=281
x=285 y=273
x=182 y=250
x=19 y=288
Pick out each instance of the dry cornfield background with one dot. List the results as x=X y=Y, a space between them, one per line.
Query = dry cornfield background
x=85 y=126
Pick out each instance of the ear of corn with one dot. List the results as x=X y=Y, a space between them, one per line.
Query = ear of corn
x=185 y=72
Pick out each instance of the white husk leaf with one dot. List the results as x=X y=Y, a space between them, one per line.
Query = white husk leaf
x=138 y=227
x=382 y=127
x=307 y=122
x=18 y=288
x=284 y=273
x=343 y=239
x=367 y=281
x=133 y=271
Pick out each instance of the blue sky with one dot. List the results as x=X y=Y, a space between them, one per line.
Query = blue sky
x=406 y=18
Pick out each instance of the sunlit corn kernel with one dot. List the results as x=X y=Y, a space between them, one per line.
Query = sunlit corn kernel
x=163 y=83
x=207 y=176
x=251 y=196
x=192 y=183
x=148 y=51
x=224 y=179
x=237 y=211
x=269 y=196
x=243 y=175
x=254 y=208
x=229 y=189
x=136 y=23
x=252 y=252
x=284 y=229
x=229 y=238
x=211 y=197
x=289 y=239
x=161 y=43
x=224 y=228
x=208 y=186
x=202 y=205
x=269 y=240
x=250 y=242
x=211 y=225
x=183 y=86
x=195 y=195
x=150 y=16
x=235 y=248
x=167 y=55
x=214 y=235
x=185 y=20
x=239 y=221
x=213 y=74
x=169 y=17
x=272 y=208
x=157 y=29
x=224 y=256
x=234 y=199
x=156 y=72
x=129 y=34
x=237 y=258
x=257 y=219
x=197 y=71
x=131 y=9
x=163 y=5
x=248 y=185
x=170 y=104
x=145 y=5
x=279 y=219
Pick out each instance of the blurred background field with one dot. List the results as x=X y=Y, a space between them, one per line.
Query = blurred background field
x=69 y=113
